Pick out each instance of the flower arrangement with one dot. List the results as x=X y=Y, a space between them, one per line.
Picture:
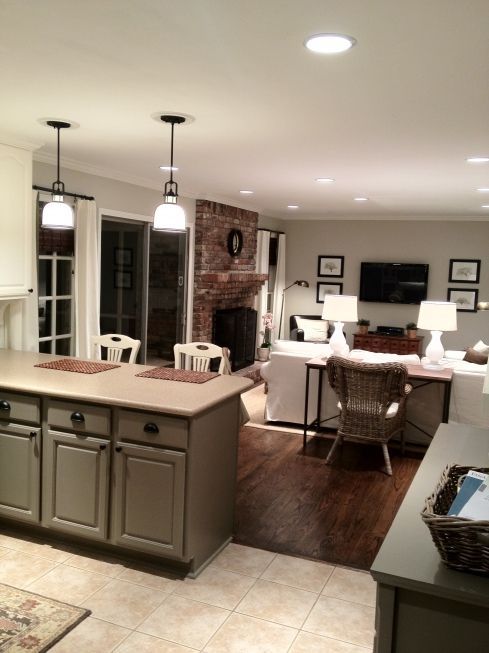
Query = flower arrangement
x=268 y=327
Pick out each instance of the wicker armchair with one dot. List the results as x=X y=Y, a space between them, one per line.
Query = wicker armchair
x=372 y=402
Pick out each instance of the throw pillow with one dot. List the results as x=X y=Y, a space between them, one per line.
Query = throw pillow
x=314 y=330
x=481 y=347
x=474 y=356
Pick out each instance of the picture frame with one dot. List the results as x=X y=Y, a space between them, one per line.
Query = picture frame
x=464 y=270
x=123 y=279
x=330 y=266
x=465 y=298
x=326 y=288
x=123 y=256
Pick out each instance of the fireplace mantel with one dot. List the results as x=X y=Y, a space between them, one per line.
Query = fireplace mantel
x=243 y=277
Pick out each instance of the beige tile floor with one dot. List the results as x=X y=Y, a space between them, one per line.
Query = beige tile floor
x=246 y=601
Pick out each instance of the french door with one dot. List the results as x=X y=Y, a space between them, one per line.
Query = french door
x=143 y=286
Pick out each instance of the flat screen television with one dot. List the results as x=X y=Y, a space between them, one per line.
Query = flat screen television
x=394 y=283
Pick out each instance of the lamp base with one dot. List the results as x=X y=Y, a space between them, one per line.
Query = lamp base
x=433 y=366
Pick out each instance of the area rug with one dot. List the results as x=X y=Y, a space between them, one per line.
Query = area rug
x=30 y=623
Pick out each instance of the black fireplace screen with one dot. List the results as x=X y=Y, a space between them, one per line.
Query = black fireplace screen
x=235 y=328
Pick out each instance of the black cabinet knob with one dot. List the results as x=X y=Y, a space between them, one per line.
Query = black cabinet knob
x=118 y=449
x=102 y=447
x=150 y=427
x=4 y=405
x=77 y=417
x=32 y=435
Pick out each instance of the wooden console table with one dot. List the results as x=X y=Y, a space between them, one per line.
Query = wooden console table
x=422 y=605
x=388 y=344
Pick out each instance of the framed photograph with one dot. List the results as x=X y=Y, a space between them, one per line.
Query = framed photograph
x=330 y=266
x=123 y=256
x=466 y=300
x=327 y=289
x=122 y=279
x=464 y=270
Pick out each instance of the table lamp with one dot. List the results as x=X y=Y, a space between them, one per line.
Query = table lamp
x=339 y=309
x=437 y=317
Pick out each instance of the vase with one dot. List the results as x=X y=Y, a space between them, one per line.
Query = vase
x=411 y=333
x=363 y=329
x=263 y=353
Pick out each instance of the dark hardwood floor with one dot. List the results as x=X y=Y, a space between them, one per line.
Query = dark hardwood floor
x=290 y=502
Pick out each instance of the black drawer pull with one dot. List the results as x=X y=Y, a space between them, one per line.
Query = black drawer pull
x=150 y=427
x=77 y=417
x=118 y=449
x=4 y=405
x=102 y=447
x=32 y=435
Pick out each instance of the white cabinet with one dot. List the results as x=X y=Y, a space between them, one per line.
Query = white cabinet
x=16 y=219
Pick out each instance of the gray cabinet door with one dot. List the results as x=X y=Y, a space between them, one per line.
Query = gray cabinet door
x=148 y=503
x=76 y=484
x=20 y=471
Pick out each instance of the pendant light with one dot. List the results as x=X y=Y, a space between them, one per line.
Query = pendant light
x=57 y=214
x=169 y=216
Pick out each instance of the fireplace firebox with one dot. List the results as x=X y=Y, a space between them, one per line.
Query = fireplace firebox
x=235 y=328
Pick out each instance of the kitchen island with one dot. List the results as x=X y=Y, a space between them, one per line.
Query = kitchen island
x=135 y=465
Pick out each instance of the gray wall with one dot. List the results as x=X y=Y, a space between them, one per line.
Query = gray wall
x=402 y=241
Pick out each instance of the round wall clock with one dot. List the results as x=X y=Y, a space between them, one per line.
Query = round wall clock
x=235 y=242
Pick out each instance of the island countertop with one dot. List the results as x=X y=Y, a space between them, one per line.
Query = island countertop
x=119 y=386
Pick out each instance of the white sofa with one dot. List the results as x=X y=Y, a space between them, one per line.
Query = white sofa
x=285 y=375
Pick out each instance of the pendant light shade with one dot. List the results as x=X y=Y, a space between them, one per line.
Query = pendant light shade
x=169 y=216
x=57 y=214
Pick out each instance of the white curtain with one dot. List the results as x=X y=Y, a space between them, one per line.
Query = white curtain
x=278 y=290
x=262 y=258
x=87 y=276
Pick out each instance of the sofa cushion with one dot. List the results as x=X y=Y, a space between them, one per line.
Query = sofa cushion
x=474 y=356
x=314 y=330
x=481 y=347
x=312 y=349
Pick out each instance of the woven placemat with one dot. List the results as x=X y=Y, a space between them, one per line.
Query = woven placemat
x=170 y=374
x=82 y=367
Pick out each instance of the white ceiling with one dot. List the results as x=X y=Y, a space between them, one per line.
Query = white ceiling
x=393 y=119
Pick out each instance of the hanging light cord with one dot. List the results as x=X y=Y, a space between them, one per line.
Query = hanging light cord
x=171 y=154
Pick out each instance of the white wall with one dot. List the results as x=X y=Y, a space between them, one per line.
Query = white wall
x=432 y=242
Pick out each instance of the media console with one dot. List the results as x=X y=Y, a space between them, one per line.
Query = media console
x=388 y=344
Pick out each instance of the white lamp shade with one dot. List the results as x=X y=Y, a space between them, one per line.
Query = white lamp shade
x=57 y=215
x=169 y=217
x=438 y=316
x=340 y=308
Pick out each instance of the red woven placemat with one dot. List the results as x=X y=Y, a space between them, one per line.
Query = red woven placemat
x=170 y=374
x=82 y=367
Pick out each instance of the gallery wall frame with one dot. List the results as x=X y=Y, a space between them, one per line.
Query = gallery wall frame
x=464 y=270
x=465 y=298
x=330 y=266
x=325 y=288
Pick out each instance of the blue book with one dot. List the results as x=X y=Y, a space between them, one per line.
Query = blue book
x=470 y=485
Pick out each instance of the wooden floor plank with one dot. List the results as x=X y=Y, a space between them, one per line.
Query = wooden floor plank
x=291 y=502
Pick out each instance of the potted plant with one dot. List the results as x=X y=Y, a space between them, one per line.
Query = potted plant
x=263 y=351
x=363 y=326
x=411 y=329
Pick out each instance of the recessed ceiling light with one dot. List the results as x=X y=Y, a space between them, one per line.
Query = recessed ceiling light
x=324 y=180
x=485 y=206
x=246 y=192
x=329 y=43
x=292 y=206
x=478 y=159
x=483 y=190
x=360 y=199
x=168 y=168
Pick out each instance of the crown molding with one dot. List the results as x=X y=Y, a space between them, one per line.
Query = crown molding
x=8 y=139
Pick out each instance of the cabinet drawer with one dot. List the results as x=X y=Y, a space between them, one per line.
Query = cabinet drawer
x=83 y=418
x=23 y=408
x=152 y=429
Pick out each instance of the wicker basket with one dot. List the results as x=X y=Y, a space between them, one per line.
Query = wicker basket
x=462 y=543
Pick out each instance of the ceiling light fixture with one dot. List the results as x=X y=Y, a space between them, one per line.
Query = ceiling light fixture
x=483 y=190
x=246 y=192
x=169 y=216
x=478 y=159
x=485 y=206
x=329 y=43
x=57 y=214
x=324 y=180
x=292 y=206
x=360 y=199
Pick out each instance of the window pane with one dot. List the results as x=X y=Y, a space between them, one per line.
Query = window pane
x=63 y=278
x=45 y=313
x=63 y=346
x=63 y=316
x=45 y=269
x=45 y=347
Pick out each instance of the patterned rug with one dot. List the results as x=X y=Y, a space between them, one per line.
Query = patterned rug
x=30 y=623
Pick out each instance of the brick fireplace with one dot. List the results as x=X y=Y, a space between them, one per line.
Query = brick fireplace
x=221 y=281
